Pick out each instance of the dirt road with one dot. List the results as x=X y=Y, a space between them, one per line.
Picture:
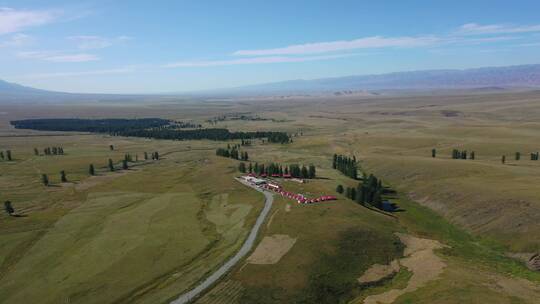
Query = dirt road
x=244 y=250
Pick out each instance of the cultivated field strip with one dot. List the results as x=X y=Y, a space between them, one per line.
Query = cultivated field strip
x=228 y=292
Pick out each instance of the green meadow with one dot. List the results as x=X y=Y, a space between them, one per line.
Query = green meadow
x=150 y=233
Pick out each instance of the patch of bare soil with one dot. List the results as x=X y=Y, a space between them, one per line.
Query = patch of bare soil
x=420 y=260
x=516 y=287
x=271 y=249
x=225 y=292
x=378 y=272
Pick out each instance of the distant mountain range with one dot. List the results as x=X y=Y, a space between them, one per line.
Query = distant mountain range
x=490 y=78
x=16 y=93
x=8 y=88
x=522 y=76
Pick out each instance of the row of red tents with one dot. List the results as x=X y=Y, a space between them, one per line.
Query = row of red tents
x=298 y=197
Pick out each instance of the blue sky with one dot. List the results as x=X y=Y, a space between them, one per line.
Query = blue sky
x=174 y=46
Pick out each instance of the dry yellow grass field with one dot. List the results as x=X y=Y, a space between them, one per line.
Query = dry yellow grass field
x=164 y=225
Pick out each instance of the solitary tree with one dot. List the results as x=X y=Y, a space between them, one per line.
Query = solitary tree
x=91 y=170
x=63 y=177
x=111 y=165
x=156 y=155
x=518 y=155
x=339 y=189
x=503 y=159
x=111 y=147
x=242 y=167
x=145 y=155
x=45 y=179
x=304 y=173
x=377 y=199
x=2 y=154
x=8 y=155
x=472 y=155
x=9 y=208
x=353 y=194
x=360 y=194
x=311 y=171
x=433 y=152
x=125 y=164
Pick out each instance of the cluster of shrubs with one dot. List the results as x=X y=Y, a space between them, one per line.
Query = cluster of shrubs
x=5 y=155
x=457 y=154
x=50 y=151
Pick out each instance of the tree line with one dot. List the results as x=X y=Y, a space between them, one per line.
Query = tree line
x=463 y=154
x=369 y=191
x=457 y=154
x=233 y=153
x=8 y=206
x=128 y=158
x=50 y=151
x=146 y=127
x=89 y=125
x=293 y=170
x=346 y=165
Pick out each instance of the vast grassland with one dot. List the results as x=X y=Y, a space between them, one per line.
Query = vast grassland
x=147 y=234
x=138 y=235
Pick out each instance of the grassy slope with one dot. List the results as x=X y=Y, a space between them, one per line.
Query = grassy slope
x=394 y=141
x=393 y=138
x=142 y=236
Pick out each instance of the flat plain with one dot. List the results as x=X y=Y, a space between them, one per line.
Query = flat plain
x=149 y=233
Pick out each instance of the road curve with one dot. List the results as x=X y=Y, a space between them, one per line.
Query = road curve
x=246 y=248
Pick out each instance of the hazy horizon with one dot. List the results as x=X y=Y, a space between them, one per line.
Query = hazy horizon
x=101 y=47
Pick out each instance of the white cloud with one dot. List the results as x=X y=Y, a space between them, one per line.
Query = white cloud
x=12 y=20
x=88 y=42
x=478 y=29
x=57 y=56
x=256 y=60
x=343 y=45
x=16 y=40
x=122 y=70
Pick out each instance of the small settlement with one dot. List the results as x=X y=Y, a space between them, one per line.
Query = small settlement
x=270 y=185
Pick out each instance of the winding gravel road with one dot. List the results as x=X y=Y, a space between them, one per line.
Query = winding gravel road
x=246 y=248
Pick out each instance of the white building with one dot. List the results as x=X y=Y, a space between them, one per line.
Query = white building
x=253 y=180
